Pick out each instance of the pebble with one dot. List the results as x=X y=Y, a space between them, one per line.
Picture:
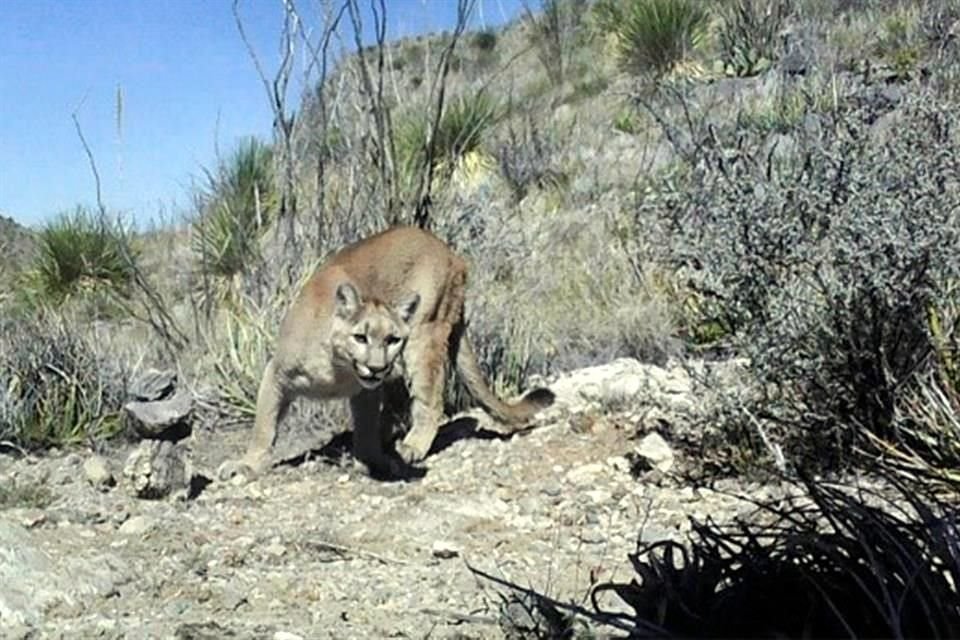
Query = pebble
x=98 y=473
x=137 y=525
x=444 y=549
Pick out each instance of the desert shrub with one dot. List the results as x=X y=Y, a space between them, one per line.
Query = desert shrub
x=238 y=202
x=652 y=36
x=553 y=33
x=898 y=41
x=485 y=40
x=749 y=35
x=782 y=113
x=34 y=495
x=825 y=263
x=80 y=251
x=55 y=388
x=529 y=158
x=863 y=565
x=938 y=22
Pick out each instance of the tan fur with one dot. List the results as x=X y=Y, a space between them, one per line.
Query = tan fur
x=403 y=291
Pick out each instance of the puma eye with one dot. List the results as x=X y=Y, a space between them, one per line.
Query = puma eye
x=392 y=340
x=360 y=338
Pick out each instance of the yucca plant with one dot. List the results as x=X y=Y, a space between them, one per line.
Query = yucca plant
x=462 y=128
x=653 y=36
x=77 y=251
x=238 y=203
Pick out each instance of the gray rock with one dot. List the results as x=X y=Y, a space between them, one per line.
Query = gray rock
x=153 y=385
x=655 y=449
x=155 y=470
x=167 y=419
x=137 y=525
x=31 y=580
x=98 y=473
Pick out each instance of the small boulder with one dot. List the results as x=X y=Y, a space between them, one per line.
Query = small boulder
x=168 y=418
x=137 y=525
x=156 y=470
x=654 y=449
x=153 y=385
x=98 y=473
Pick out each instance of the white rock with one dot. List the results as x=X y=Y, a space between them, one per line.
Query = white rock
x=444 y=549
x=655 y=449
x=137 y=525
x=286 y=635
x=585 y=473
x=98 y=473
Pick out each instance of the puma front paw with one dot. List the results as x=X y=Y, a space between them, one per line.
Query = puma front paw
x=411 y=452
x=244 y=468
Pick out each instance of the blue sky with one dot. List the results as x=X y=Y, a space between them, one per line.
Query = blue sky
x=187 y=84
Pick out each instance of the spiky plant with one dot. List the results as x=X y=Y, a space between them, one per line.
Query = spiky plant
x=80 y=250
x=653 y=36
x=238 y=203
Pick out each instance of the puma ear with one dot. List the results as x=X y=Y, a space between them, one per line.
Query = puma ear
x=347 y=300
x=406 y=307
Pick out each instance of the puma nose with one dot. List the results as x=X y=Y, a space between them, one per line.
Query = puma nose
x=377 y=370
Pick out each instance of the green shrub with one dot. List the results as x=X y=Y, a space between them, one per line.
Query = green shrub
x=750 y=34
x=485 y=40
x=239 y=202
x=55 y=388
x=80 y=251
x=825 y=264
x=652 y=36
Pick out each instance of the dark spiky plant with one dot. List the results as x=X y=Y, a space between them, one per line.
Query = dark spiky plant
x=834 y=563
x=80 y=250
x=831 y=562
x=652 y=36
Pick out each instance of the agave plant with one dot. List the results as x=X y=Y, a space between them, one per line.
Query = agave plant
x=238 y=203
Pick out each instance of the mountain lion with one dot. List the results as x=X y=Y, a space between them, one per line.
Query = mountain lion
x=389 y=305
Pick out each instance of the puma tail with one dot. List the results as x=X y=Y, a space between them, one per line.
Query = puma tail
x=510 y=413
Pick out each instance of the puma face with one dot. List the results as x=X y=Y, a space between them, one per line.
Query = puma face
x=369 y=335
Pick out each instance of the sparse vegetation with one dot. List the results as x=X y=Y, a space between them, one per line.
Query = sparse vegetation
x=803 y=220
x=750 y=35
x=553 y=31
x=55 y=388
